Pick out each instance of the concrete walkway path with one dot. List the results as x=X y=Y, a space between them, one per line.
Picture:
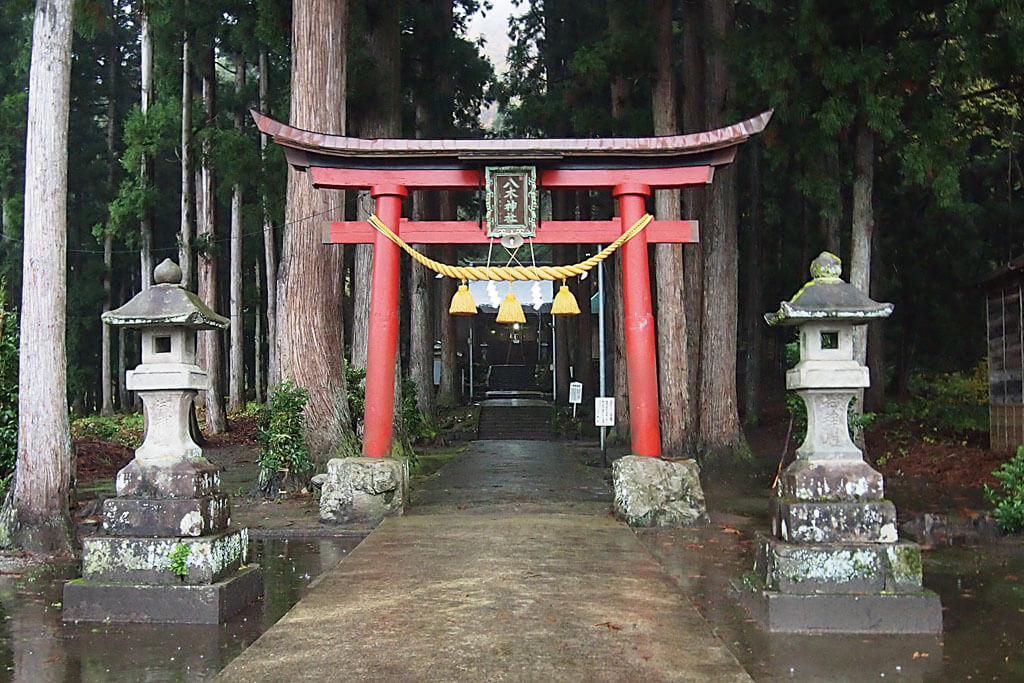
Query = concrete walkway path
x=507 y=566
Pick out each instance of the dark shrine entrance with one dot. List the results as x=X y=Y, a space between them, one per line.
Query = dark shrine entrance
x=630 y=168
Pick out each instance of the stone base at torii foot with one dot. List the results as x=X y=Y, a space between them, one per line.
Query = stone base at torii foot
x=654 y=492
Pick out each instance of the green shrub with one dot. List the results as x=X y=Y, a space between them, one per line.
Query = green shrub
x=417 y=425
x=125 y=430
x=1008 y=498
x=952 y=404
x=354 y=378
x=8 y=389
x=280 y=431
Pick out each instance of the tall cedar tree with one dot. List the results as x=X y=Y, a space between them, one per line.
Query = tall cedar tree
x=310 y=336
x=36 y=515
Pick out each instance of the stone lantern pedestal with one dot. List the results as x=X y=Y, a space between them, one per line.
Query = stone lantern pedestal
x=833 y=561
x=167 y=553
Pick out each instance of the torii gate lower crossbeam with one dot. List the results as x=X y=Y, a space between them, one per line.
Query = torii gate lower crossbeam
x=629 y=167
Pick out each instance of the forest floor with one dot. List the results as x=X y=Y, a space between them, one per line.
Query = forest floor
x=927 y=471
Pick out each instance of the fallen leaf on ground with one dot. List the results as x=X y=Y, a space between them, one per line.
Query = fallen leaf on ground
x=610 y=625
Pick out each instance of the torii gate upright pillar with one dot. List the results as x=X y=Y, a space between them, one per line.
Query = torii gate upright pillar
x=641 y=357
x=383 y=333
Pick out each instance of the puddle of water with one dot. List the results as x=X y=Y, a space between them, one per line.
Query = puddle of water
x=36 y=646
x=982 y=592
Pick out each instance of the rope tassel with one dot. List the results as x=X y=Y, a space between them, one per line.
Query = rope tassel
x=565 y=302
x=462 y=302
x=510 y=311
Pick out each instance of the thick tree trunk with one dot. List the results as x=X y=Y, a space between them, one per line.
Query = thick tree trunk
x=362 y=276
x=861 y=238
x=380 y=119
x=146 y=170
x=124 y=399
x=672 y=325
x=269 y=245
x=448 y=393
x=720 y=431
x=561 y=209
x=310 y=335
x=35 y=516
x=236 y=374
x=106 y=369
x=621 y=377
x=421 y=326
x=863 y=226
x=185 y=255
x=257 y=371
x=582 y=290
x=694 y=120
x=213 y=357
x=753 y=322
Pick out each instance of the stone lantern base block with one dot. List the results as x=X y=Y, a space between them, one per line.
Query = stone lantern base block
x=175 y=479
x=207 y=560
x=833 y=522
x=166 y=516
x=162 y=604
x=364 y=490
x=831 y=480
x=807 y=569
x=654 y=492
x=910 y=613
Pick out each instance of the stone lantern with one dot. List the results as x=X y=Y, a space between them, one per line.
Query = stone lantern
x=167 y=553
x=833 y=562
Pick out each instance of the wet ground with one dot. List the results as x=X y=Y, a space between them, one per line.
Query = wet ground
x=982 y=591
x=36 y=646
x=981 y=587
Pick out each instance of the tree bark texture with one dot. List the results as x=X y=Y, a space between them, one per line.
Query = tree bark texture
x=448 y=393
x=863 y=226
x=694 y=119
x=753 y=322
x=106 y=369
x=310 y=338
x=380 y=119
x=145 y=170
x=269 y=243
x=421 y=325
x=185 y=252
x=38 y=518
x=213 y=357
x=236 y=371
x=621 y=377
x=672 y=325
x=720 y=431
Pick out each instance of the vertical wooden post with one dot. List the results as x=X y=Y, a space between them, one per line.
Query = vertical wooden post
x=641 y=359
x=383 y=332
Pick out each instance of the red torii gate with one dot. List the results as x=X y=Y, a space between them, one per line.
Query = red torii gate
x=629 y=167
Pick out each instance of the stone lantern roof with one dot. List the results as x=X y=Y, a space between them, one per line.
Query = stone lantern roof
x=828 y=297
x=166 y=303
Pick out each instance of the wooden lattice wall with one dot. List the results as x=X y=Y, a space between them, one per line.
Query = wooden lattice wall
x=1006 y=363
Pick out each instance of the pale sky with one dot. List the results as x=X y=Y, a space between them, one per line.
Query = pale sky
x=494 y=27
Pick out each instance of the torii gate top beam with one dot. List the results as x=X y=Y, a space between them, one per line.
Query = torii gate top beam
x=669 y=161
x=672 y=161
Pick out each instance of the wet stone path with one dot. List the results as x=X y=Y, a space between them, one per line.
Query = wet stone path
x=507 y=566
